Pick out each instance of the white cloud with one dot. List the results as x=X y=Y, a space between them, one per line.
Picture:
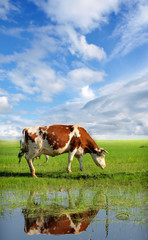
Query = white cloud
x=82 y=76
x=132 y=31
x=120 y=111
x=10 y=132
x=32 y=75
x=3 y=92
x=39 y=79
x=9 y=100
x=120 y=108
x=76 y=18
x=5 y=107
x=87 y=93
x=85 y=14
x=5 y=8
x=80 y=47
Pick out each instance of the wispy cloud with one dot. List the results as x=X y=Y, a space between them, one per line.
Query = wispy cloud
x=6 y=7
x=132 y=30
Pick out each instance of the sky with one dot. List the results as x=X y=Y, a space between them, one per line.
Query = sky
x=74 y=62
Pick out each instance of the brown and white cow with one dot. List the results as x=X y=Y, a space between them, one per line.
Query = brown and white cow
x=73 y=223
x=53 y=140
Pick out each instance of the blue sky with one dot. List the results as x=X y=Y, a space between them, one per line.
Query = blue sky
x=74 y=62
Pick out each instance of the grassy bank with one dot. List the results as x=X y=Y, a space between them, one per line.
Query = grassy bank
x=127 y=161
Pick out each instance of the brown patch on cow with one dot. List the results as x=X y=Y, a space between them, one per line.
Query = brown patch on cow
x=32 y=137
x=58 y=135
x=29 y=136
x=87 y=143
x=74 y=143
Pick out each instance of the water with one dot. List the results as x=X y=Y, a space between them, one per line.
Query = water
x=84 y=213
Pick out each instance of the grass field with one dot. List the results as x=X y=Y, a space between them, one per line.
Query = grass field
x=127 y=161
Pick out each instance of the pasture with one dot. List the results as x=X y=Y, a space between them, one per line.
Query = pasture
x=127 y=160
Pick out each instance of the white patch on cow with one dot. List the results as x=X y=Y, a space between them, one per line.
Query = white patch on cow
x=33 y=232
x=80 y=151
x=53 y=133
x=33 y=130
x=99 y=160
x=76 y=131
x=73 y=226
x=47 y=148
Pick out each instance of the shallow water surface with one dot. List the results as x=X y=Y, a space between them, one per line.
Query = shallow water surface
x=83 y=213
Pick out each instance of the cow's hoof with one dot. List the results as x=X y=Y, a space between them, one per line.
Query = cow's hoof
x=34 y=176
x=69 y=171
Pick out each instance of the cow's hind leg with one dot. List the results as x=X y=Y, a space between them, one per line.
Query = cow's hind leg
x=32 y=169
x=30 y=163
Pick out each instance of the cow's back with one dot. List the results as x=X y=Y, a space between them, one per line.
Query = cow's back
x=57 y=136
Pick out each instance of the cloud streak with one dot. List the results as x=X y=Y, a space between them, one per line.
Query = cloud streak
x=132 y=30
x=5 y=8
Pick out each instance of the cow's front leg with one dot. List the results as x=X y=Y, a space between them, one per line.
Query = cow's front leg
x=32 y=169
x=70 y=158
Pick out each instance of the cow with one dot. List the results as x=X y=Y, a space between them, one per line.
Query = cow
x=73 y=223
x=53 y=140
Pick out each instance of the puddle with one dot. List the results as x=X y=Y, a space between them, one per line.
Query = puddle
x=83 y=213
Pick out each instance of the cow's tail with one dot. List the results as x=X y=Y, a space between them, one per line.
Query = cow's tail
x=23 y=146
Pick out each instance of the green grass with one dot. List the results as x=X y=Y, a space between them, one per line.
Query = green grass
x=127 y=161
x=121 y=187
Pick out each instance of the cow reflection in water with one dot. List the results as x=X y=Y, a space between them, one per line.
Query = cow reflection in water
x=73 y=221
x=64 y=224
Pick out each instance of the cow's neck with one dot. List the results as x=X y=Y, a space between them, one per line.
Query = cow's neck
x=92 y=147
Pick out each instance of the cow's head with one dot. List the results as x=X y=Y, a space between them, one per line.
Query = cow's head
x=99 y=157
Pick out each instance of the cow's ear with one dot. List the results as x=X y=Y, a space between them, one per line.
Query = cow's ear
x=101 y=150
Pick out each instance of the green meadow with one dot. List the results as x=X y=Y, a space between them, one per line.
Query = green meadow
x=127 y=162
x=121 y=187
